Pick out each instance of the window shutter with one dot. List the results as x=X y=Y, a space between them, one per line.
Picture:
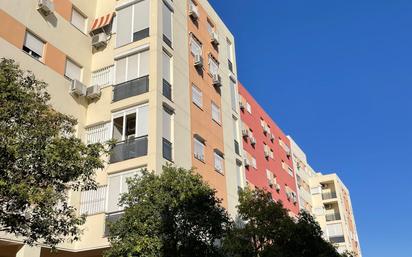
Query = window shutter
x=113 y=194
x=197 y=96
x=167 y=22
x=141 y=16
x=132 y=67
x=34 y=43
x=142 y=121
x=93 y=201
x=166 y=67
x=213 y=66
x=121 y=71
x=195 y=47
x=144 y=64
x=124 y=26
x=78 y=20
x=73 y=71
x=167 y=125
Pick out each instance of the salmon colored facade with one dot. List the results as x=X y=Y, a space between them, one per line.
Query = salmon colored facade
x=276 y=161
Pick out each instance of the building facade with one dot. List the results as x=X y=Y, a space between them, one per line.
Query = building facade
x=267 y=153
x=159 y=76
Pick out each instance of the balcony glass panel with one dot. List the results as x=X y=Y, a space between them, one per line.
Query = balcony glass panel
x=329 y=195
x=111 y=218
x=129 y=149
x=131 y=88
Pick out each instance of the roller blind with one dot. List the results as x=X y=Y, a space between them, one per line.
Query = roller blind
x=167 y=125
x=73 y=71
x=213 y=66
x=124 y=26
x=166 y=67
x=34 y=44
x=78 y=20
x=141 y=16
x=197 y=96
x=167 y=22
x=142 y=121
x=335 y=230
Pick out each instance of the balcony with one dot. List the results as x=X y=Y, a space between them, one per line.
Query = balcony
x=167 y=90
x=129 y=149
x=332 y=217
x=328 y=195
x=111 y=218
x=131 y=88
x=167 y=149
x=337 y=239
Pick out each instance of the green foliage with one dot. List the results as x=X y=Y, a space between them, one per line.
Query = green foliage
x=174 y=214
x=265 y=229
x=40 y=161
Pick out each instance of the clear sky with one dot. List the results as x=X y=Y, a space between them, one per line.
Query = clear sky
x=337 y=76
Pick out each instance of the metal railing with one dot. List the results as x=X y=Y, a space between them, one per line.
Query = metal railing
x=103 y=77
x=129 y=149
x=167 y=90
x=337 y=239
x=111 y=218
x=167 y=149
x=131 y=88
x=329 y=195
x=332 y=217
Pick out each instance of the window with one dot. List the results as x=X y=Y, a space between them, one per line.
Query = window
x=33 y=46
x=133 y=23
x=218 y=161
x=167 y=77
x=271 y=178
x=78 y=20
x=197 y=96
x=335 y=230
x=239 y=175
x=271 y=154
x=195 y=46
x=233 y=94
x=167 y=25
x=215 y=113
x=249 y=108
x=210 y=27
x=199 y=149
x=167 y=133
x=131 y=123
x=254 y=164
x=73 y=71
x=132 y=67
x=230 y=54
x=213 y=66
x=117 y=185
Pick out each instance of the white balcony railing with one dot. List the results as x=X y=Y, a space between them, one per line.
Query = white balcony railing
x=103 y=77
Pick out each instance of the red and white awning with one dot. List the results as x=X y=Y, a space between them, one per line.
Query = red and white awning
x=102 y=21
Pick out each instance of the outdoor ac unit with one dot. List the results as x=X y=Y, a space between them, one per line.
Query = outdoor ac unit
x=289 y=195
x=272 y=137
x=77 y=88
x=277 y=187
x=215 y=38
x=99 y=40
x=198 y=61
x=252 y=141
x=267 y=153
x=93 y=92
x=217 y=80
x=245 y=132
x=241 y=105
x=270 y=182
x=295 y=199
x=265 y=128
x=45 y=7
x=193 y=12
x=247 y=163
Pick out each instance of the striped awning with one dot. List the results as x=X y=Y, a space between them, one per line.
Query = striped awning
x=102 y=21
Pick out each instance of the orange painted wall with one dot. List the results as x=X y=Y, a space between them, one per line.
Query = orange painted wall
x=12 y=30
x=64 y=8
x=55 y=59
x=201 y=119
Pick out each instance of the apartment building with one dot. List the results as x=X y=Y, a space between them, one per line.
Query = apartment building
x=267 y=153
x=332 y=208
x=159 y=76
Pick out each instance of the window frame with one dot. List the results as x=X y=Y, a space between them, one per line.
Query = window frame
x=195 y=88
x=202 y=147
x=29 y=51
x=123 y=114
x=214 y=108
x=217 y=156
x=81 y=14
x=68 y=59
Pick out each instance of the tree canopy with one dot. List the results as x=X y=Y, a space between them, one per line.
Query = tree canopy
x=172 y=214
x=41 y=160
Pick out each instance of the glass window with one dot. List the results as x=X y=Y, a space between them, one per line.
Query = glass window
x=132 y=67
x=167 y=25
x=117 y=185
x=33 y=45
x=133 y=23
x=78 y=20
x=218 y=162
x=199 y=149
x=197 y=96
x=195 y=46
x=213 y=66
x=249 y=108
x=254 y=164
x=215 y=113
x=233 y=94
x=73 y=71
x=131 y=123
x=167 y=124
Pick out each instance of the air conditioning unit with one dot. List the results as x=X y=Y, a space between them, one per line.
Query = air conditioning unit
x=214 y=38
x=265 y=128
x=245 y=132
x=272 y=137
x=45 y=7
x=241 y=105
x=93 y=92
x=277 y=187
x=99 y=40
x=217 y=80
x=295 y=199
x=270 y=182
x=193 y=12
x=246 y=162
x=289 y=195
x=77 y=88
x=267 y=154
x=252 y=141
x=198 y=61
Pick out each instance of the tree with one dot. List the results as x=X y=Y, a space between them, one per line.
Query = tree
x=40 y=161
x=265 y=229
x=174 y=214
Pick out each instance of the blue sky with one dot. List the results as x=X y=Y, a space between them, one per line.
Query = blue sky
x=337 y=76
